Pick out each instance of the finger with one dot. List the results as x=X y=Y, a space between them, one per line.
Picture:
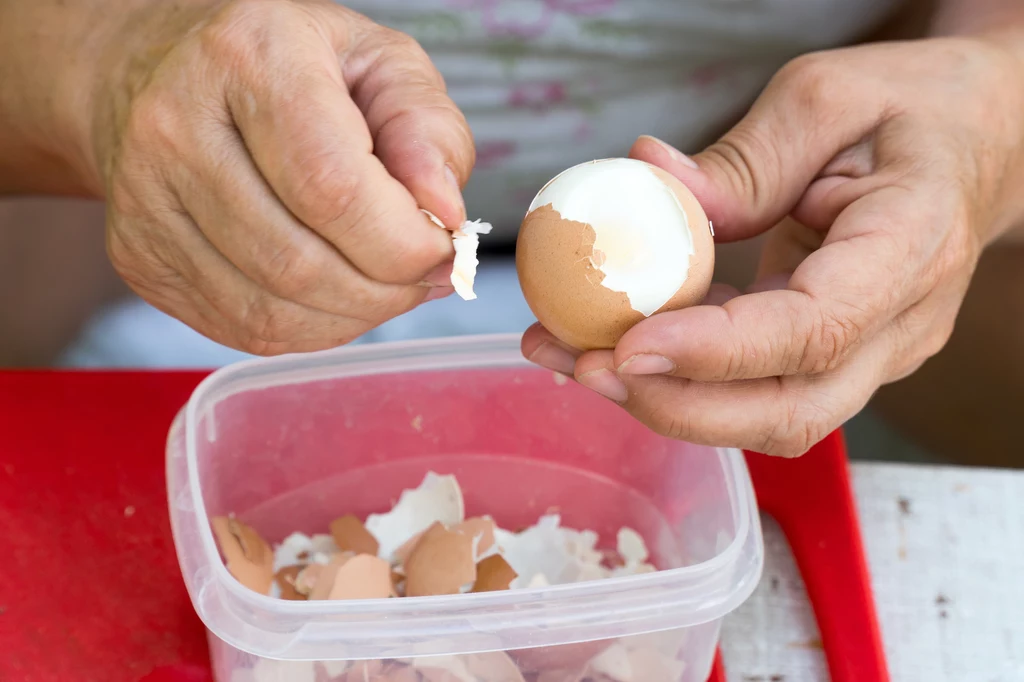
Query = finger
x=758 y=171
x=253 y=320
x=310 y=141
x=418 y=133
x=240 y=215
x=776 y=416
x=786 y=246
x=541 y=347
x=838 y=297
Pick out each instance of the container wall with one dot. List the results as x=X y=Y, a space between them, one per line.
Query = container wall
x=292 y=457
x=680 y=655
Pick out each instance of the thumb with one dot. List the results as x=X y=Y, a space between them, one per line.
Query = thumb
x=418 y=132
x=756 y=173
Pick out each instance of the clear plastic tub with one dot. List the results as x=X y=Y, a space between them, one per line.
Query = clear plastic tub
x=290 y=443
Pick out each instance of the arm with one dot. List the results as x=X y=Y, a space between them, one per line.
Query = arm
x=1002 y=22
x=49 y=51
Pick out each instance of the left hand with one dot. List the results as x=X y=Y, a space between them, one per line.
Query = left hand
x=884 y=170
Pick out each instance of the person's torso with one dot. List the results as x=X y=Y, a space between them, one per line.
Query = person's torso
x=546 y=84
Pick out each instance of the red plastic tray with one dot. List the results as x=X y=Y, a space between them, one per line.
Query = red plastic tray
x=90 y=587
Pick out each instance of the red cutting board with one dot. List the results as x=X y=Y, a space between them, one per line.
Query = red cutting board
x=90 y=588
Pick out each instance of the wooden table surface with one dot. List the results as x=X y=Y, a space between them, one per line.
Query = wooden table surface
x=945 y=547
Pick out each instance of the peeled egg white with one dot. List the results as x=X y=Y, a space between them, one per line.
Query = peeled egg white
x=608 y=243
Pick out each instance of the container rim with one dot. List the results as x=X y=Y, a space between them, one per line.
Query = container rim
x=706 y=591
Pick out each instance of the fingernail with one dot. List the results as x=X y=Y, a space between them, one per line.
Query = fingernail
x=607 y=384
x=550 y=356
x=674 y=153
x=453 y=182
x=441 y=276
x=438 y=292
x=647 y=364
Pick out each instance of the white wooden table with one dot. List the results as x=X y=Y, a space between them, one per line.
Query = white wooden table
x=945 y=548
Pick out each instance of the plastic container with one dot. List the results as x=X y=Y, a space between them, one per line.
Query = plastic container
x=290 y=443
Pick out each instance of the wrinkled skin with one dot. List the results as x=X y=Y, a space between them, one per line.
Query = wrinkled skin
x=882 y=171
x=264 y=164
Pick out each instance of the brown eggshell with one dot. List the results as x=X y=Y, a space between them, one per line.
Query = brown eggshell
x=364 y=576
x=494 y=666
x=285 y=579
x=307 y=578
x=564 y=290
x=325 y=580
x=560 y=657
x=402 y=673
x=351 y=536
x=247 y=556
x=493 y=574
x=440 y=563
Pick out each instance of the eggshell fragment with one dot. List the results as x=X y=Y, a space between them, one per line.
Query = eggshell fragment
x=493 y=574
x=364 y=576
x=494 y=666
x=307 y=578
x=285 y=579
x=441 y=563
x=443 y=669
x=466 y=240
x=247 y=556
x=325 y=580
x=608 y=243
x=559 y=657
x=438 y=499
x=350 y=535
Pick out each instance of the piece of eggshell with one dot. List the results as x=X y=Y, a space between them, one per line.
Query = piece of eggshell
x=559 y=259
x=493 y=574
x=247 y=556
x=571 y=675
x=364 y=576
x=441 y=563
x=559 y=657
x=443 y=669
x=631 y=546
x=401 y=673
x=350 y=535
x=493 y=666
x=307 y=578
x=481 y=529
x=438 y=499
x=285 y=579
x=325 y=580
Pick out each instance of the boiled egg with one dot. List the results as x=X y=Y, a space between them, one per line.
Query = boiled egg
x=608 y=243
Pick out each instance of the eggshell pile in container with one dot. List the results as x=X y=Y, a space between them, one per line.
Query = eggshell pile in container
x=608 y=243
x=425 y=546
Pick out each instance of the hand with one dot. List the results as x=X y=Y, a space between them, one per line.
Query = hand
x=884 y=170
x=265 y=163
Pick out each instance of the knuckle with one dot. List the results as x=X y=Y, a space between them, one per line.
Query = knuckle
x=292 y=270
x=327 y=194
x=750 y=157
x=798 y=428
x=674 y=424
x=814 y=79
x=230 y=38
x=832 y=337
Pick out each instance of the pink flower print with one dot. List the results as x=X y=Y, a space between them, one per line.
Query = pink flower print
x=536 y=96
x=525 y=19
x=490 y=154
x=590 y=8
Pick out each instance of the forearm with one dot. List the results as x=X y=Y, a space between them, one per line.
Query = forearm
x=1001 y=22
x=48 y=55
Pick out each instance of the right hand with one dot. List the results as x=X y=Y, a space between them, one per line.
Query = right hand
x=265 y=162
